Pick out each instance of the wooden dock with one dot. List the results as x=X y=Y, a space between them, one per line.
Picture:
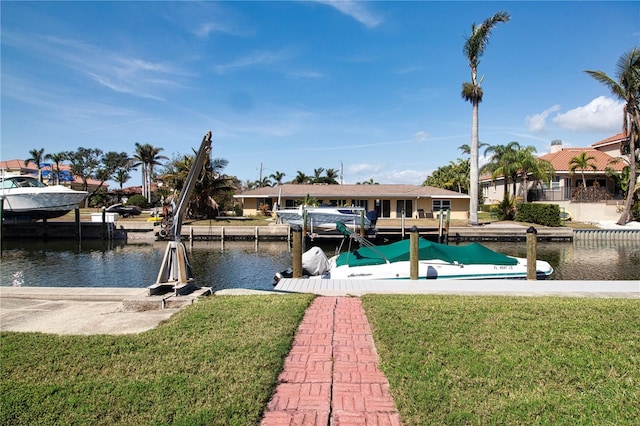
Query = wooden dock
x=626 y=289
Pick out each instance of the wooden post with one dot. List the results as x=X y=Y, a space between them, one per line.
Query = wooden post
x=78 y=226
x=413 y=253
x=362 y=223
x=446 y=228
x=104 y=223
x=297 y=251
x=532 y=239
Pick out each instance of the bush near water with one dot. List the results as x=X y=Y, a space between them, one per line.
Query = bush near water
x=542 y=214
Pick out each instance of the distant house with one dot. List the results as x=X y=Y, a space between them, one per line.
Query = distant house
x=563 y=184
x=18 y=167
x=563 y=189
x=389 y=201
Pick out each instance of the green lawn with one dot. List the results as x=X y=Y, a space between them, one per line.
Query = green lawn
x=449 y=360
x=214 y=363
x=507 y=360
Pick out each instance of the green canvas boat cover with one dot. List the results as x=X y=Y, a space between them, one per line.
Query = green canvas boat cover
x=471 y=254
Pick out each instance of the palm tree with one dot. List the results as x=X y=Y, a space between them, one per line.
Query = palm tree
x=277 y=177
x=627 y=88
x=57 y=158
x=317 y=174
x=147 y=156
x=582 y=162
x=529 y=164
x=472 y=92
x=503 y=163
x=301 y=178
x=36 y=157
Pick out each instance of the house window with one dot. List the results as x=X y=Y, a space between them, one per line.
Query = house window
x=406 y=206
x=360 y=203
x=554 y=184
x=441 y=205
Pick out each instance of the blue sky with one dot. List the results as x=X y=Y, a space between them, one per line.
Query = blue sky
x=372 y=88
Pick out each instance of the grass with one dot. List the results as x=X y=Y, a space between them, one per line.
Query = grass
x=498 y=360
x=449 y=360
x=215 y=362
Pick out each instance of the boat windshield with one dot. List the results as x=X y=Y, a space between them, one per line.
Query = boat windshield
x=21 y=182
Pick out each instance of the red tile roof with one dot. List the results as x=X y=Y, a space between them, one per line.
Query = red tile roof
x=561 y=159
x=20 y=166
x=615 y=139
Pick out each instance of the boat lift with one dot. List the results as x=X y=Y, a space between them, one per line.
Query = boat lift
x=175 y=273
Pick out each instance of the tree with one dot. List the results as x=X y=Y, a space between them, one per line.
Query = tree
x=454 y=176
x=528 y=164
x=474 y=48
x=213 y=189
x=627 y=88
x=301 y=178
x=57 y=159
x=582 y=162
x=36 y=157
x=277 y=177
x=503 y=162
x=147 y=156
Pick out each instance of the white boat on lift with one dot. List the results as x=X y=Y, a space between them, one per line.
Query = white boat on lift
x=27 y=199
x=324 y=217
x=436 y=261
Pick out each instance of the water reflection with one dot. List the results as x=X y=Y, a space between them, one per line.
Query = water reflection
x=245 y=264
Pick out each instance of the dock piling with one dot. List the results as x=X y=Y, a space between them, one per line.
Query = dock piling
x=532 y=239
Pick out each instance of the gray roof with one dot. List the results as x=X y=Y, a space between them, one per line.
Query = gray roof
x=351 y=190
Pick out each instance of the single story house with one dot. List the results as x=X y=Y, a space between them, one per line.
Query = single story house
x=389 y=201
x=562 y=186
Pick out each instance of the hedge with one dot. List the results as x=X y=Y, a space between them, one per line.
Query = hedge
x=542 y=214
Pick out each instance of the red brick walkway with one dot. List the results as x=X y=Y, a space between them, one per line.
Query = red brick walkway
x=331 y=376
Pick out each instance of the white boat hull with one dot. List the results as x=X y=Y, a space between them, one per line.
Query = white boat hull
x=434 y=269
x=40 y=203
x=323 y=217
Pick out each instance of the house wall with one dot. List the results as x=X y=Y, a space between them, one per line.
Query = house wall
x=459 y=207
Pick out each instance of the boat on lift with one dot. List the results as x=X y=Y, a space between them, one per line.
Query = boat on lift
x=27 y=199
x=324 y=217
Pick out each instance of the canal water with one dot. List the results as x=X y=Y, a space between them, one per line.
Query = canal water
x=245 y=264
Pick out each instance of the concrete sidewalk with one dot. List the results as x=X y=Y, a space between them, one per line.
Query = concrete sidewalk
x=85 y=310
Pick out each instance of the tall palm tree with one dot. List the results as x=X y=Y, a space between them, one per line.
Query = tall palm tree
x=147 y=156
x=57 y=158
x=317 y=174
x=582 y=162
x=37 y=156
x=474 y=48
x=627 y=88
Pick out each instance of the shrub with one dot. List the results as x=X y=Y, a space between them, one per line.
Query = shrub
x=137 y=200
x=506 y=210
x=542 y=214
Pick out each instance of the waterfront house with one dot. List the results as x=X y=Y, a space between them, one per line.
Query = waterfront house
x=564 y=188
x=388 y=200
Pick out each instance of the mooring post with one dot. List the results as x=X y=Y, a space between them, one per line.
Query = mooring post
x=77 y=218
x=104 y=223
x=532 y=239
x=413 y=253
x=297 y=251
x=362 y=223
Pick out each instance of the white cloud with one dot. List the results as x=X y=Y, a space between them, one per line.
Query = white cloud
x=355 y=9
x=600 y=115
x=537 y=122
x=254 y=59
x=420 y=137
